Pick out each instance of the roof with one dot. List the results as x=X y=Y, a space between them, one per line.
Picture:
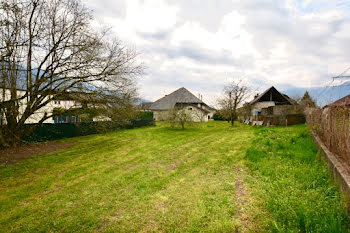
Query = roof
x=345 y=101
x=82 y=97
x=272 y=94
x=180 y=96
x=145 y=105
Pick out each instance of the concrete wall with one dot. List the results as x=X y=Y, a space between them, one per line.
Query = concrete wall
x=260 y=105
x=339 y=169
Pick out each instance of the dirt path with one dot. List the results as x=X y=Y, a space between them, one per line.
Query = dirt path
x=243 y=202
x=12 y=155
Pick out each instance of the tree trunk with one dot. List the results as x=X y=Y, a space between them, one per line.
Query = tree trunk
x=12 y=137
x=232 y=119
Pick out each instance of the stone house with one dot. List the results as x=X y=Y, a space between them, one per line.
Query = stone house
x=342 y=102
x=272 y=108
x=145 y=106
x=182 y=99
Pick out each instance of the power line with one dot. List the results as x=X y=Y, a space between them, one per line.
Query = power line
x=328 y=87
x=342 y=74
x=348 y=85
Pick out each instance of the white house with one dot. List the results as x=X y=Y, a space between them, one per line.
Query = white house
x=34 y=118
x=182 y=98
x=66 y=101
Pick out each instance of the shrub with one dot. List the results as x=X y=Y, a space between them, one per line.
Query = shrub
x=48 y=132
x=144 y=115
x=218 y=116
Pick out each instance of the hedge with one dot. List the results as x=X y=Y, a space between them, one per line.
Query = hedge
x=47 y=132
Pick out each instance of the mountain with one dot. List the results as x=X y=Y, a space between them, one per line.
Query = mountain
x=139 y=101
x=322 y=95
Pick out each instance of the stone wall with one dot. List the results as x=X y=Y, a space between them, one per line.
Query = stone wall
x=286 y=110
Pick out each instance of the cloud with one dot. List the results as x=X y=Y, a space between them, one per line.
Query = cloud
x=200 y=44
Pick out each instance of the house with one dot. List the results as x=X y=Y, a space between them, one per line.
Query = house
x=145 y=106
x=5 y=95
x=182 y=98
x=66 y=101
x=272 y=108
x=343 y=102
x=73 y=102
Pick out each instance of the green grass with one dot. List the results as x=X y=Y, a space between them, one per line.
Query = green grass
x=208 y=178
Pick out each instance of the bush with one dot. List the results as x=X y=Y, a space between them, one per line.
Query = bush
x=47 y=132
x=145 y=115
x=219 y=116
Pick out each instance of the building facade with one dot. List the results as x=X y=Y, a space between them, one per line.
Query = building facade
x=182 y=99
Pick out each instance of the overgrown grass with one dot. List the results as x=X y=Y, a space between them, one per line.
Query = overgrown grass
x=162 y=179
x=293 y=182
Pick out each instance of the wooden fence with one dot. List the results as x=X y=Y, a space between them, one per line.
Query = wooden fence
x=332 y=126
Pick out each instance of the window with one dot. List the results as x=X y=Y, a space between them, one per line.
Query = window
x=57 y=102
x=189 y=108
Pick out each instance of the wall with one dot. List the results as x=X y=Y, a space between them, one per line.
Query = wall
x=160 y=115
x=286 y=109
x=38 y=115
x=339 y=169
x=197 y=114
x=272 y=114
x=332 y=126
x=260 y=105
x=331 y=131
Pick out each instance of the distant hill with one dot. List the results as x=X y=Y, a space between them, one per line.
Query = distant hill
x=139 y=101
x=322 y=95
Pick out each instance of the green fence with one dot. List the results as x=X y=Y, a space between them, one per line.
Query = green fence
x=47 y=132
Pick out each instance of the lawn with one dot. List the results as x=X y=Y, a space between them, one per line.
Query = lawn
x=209 y=177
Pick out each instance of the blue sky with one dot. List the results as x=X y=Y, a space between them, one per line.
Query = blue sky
x=203 y=44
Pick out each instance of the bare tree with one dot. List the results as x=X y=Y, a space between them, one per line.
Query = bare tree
x=48 y=47
x=297 y=98
x=199 y=114
x=234 y=94
x=179 y=116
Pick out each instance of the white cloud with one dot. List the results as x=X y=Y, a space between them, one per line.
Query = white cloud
x=199 y=44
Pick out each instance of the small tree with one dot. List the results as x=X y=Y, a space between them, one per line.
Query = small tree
x=307 y=102
x=234 y=94
x=199 y=114
x=179 y=116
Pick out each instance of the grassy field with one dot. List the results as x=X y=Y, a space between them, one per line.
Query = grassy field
x=207 y=178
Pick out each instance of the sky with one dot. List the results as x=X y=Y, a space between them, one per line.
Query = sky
x=204 y=44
